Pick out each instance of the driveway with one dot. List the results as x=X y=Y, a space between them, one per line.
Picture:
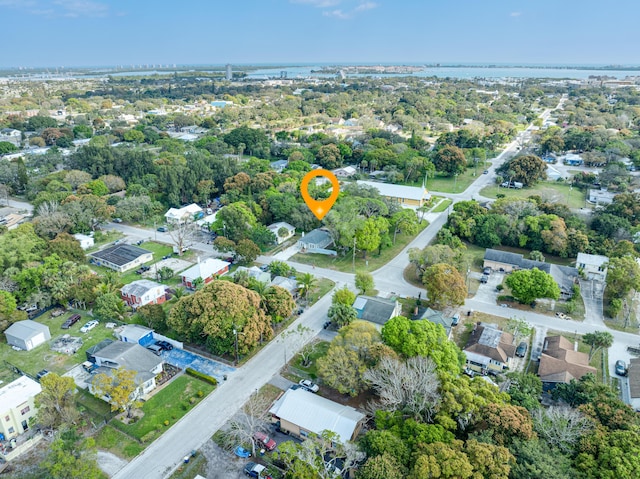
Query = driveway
x=186 y=359
x=487 y=292
x=592 y=292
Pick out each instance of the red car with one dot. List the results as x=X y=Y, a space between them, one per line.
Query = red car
x=265 y=440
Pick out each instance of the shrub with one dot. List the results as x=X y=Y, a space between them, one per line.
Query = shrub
x=166 y=422
x=192 y=400
x=500 y=287
x=200 y=394
x=204 y=377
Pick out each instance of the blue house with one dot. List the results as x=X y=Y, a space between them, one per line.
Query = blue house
x=134 y=333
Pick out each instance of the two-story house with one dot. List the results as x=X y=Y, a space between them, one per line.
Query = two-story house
x=489 y=349
x=17 y=406
x=143 y=291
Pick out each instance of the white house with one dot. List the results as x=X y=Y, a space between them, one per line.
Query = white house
x=186 y=213
x=133 y=357
x=600 y=197
x=406 y=196
x=27 y=334
x=594 y=266
x=206 y=270
x=85 y=241
x=135 y=333
x=121 y=257
x=344 y=172
x=300 y=413
x=276 y=227
x=143 y=291
x=17 y=410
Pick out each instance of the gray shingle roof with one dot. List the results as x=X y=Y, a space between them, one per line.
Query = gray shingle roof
x=139 y=288
x=377 y=310
x=129 y=356
x=319 y=238
x=120 y=254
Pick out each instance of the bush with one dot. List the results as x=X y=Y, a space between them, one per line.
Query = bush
x=200 y=394
x=500 y=287
x=192 y=400
x=204 y=377
x=166 y=422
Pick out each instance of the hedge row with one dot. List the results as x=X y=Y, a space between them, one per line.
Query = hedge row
x=204 y=377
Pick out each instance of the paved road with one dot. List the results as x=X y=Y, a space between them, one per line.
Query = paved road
x=194 y=429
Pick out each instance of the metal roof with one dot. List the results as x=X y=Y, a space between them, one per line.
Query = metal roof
x=139 y=287
x=26 y=329
x=315 y=413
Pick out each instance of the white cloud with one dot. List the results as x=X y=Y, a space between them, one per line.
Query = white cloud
x=515 y=14
x=82 y=8
x=348 y=8
x=319 y=3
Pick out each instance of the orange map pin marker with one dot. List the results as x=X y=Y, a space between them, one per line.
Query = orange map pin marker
x=319 y=208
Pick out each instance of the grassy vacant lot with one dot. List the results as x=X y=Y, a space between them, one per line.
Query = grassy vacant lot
x=114 y=441
x=449 y=184
x=345 y=263
x=551 y=191
x=43 y=357
x=323 y=286
x=169 y=404
x=319 y=350
x=442 y=206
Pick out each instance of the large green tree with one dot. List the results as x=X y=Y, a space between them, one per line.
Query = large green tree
x=527 y=169
x=528 y=285
x=450 y=160
x=445 y=285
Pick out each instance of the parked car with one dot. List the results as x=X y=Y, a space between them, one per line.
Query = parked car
x=242 y=452
x=485 y=278
x=486 y=270
x=117 y=220
x=485 y=172
x=164 y=345
x=455 y=320
x=255 y=470
x=265 y=440
x=89 y=326
x=166 y=256
x=521 y=350
x=139 y=242
x=143 y=269
x=155 y=349
x=71 y=321
x=621 y=368
x=163 y=229
x=309 y=386
x=42 y=374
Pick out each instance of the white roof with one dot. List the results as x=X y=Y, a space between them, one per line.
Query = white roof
x=26 y=329
x=180 y=213
x=207 y=220
x=139 y=287
x=591 y=259
x=281 y=224
x=134 y=332
x=315 y=413
x=17 y=392
x=205 y=269
x=398 y=191
x=81 y=237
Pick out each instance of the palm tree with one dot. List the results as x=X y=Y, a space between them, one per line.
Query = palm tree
x=306 y=281
x=179 y=293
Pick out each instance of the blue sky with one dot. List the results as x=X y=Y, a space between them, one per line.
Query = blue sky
x=125 y=32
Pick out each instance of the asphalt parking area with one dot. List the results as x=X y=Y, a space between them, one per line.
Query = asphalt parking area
x=487 y=292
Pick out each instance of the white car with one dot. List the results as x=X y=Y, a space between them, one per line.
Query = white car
x=309 y=386
x=89 y=326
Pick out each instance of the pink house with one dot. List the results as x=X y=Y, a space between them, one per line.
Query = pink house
x=141 y=292
x=207 y=270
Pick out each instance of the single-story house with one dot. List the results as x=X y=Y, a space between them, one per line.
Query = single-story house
x=594 y=266
x=600 y=197
x=289 y=284
x=489 y=348
x=278 y=229
x=255 y=273
x=97 y=347
x=143 y=291
x=122 y=257
x=190 y=212
x=633 y=375
x=279 y=165
x=17 y=410
x=133 y=357
x=565 y=276
x=344 y=172
x=135 y=333
x=560 y=362
x=375 y=309
x=436 y=317
x=27 y=334
x=317 y=239
x=299 y=412
x=85 y=241
x=206 y=270
x=406 y=196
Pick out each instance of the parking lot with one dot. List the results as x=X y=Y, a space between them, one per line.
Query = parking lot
x=487 y=292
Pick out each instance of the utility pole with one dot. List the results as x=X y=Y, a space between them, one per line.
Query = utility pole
x=235 y=333
x=354 y=254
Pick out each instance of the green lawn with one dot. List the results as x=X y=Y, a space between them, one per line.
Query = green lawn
x=196 y=466
x=371 y=263
x=101 y=238
x=95 y=406
x=43 y=357
x=442 y=206
x=449 y=184
x=319 y=350
x=169 y=404
x=114 y=441
x=552 y=191
x=323 y=286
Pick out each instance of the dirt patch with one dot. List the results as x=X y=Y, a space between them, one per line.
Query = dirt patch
x=109 y=463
